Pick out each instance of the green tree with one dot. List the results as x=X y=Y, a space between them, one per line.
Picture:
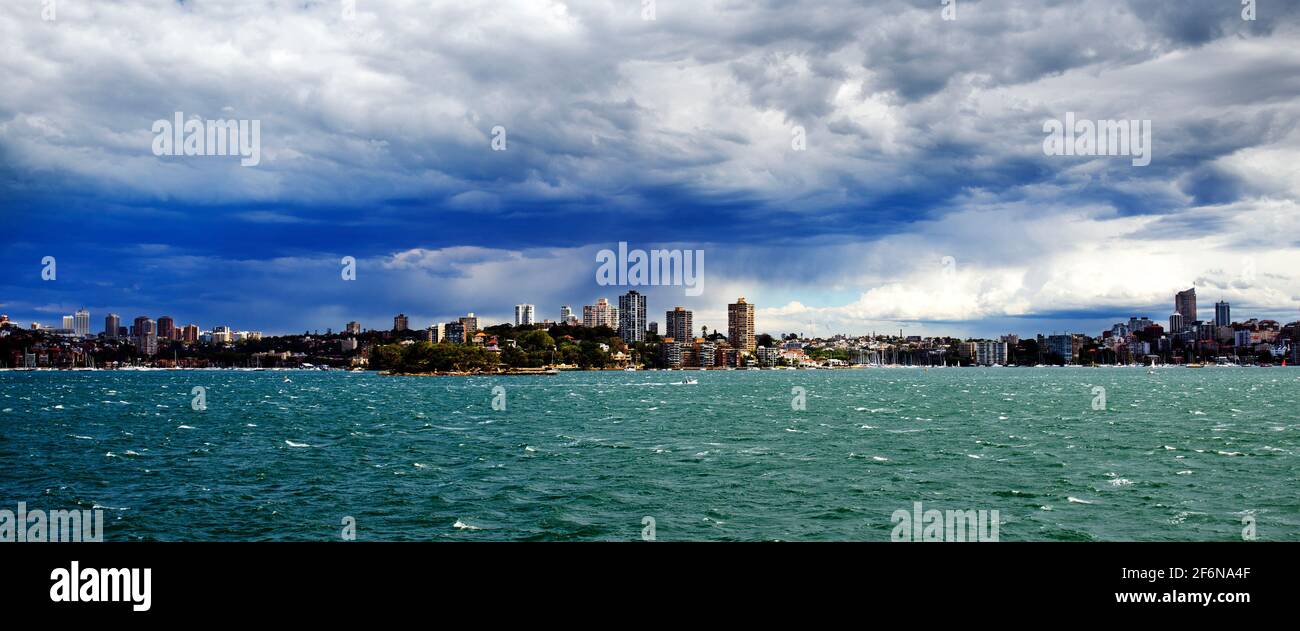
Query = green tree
x=535 y=341
x=386 y=357
x=514 y=357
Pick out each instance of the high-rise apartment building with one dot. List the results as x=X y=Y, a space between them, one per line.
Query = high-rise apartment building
x=632 y=317
x=677 y=325
x=190 y=334
x=454 y=332
x=1063 y=345
x=353 y=328
x=1222 y=314
x=111 y=325
x=401 y=323
x=166 y=328
x=990 y=353
x=81 y=323
x=146 y=336
x=470 y=322
x=1177 y=323
x=600 y=314
x=524 y=314
x=740 y=325
x=1185 y=303
x=567 y=317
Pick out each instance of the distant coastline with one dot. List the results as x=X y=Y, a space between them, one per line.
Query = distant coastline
x=551 y=372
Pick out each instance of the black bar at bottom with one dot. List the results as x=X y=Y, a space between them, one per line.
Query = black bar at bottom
x=320 y=580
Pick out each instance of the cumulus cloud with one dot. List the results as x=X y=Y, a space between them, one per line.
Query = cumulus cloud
x=923 y=138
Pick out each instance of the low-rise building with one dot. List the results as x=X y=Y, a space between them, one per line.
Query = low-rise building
x=670 y=350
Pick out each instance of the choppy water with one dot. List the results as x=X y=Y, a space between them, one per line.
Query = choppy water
x=1181 y=455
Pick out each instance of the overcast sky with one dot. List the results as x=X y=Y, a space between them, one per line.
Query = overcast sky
x=924 y=199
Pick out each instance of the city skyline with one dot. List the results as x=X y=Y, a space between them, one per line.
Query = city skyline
x=611 y=315
x=714 y=314
x=1187 y=339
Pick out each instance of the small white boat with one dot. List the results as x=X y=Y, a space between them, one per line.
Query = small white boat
x=630 y=369
x=688 y=382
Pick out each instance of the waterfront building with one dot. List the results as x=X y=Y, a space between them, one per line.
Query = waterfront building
x=966 y=350
x=705 y=353
x=1222 y=314
x=990 y=353
x=470 y=322
x=740 y=325
x=567 y=317
x=190 y=334
x=671 y=352
x=434 y=334
x=600 y=314
x=166 y=328
x=1137 y=350
x=726 y=355
x=677 y=324
x=524 y=314
x=632 y=317
x=112 y=323
x=1177 y=324
x=146 y=336
x=81 y=323
x=454 y=332
x=1185 y=303
x=1063 y=345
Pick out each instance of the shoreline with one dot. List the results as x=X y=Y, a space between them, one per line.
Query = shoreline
x=545 y=372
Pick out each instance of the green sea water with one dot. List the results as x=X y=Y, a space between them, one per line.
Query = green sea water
x=1179 y=455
